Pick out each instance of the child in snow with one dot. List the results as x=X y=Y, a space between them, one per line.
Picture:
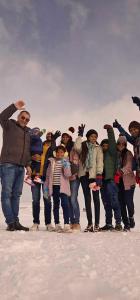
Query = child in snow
x=74 y=210
x=126 y=183
x=36 y=151
x=90 y=171
x=57 y=185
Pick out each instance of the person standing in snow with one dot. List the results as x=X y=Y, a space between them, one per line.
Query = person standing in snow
x=15 y=156
x=90 y=172
x=49 y=145
x=57 y=185
x=109 y=189
x=74 y=210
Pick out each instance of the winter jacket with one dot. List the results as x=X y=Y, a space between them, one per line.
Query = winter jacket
x=64 y=177
x=16 y=140
x=136 y=146
x=110 y=156
x=126 y=169
x=36 y=145
x=97 y=167
x=74 y=162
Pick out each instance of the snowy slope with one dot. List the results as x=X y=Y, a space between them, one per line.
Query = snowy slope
x=49 y=266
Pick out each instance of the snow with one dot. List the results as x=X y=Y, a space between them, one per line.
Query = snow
x=75 y=266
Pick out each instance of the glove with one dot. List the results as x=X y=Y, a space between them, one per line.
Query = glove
x=99 y=180
x=116 y=124
x=136 y=101
x=45 y=192
x=106 y=126
x=65 y=163
x=117 y=177
x=57 y=134
x=81 y=129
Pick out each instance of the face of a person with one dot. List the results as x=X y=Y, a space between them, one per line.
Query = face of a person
x=134 y=131
x=121 y=146
x=23 y=119
x=105 y=147
x=60 y=154
x=49 y=136
x=65 y=139
x=92 y=138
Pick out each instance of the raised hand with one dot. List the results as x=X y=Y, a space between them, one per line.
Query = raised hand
x=136 y=101
x=116 y=124
x=19 y=104
x=57 y=134
x=107 y=126
x=81 y=129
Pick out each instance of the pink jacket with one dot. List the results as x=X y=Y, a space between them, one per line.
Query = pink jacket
x=64 y=178
x=128 y=175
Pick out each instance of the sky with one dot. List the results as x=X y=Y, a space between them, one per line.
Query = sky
x=72 y=61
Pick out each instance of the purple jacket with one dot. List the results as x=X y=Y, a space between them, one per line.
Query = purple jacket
x=64 y=178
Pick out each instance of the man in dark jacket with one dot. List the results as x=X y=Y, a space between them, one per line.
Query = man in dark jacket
x=109 y=190
x=15 y=155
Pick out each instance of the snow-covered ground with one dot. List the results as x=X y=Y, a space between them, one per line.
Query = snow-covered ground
x=49 y=266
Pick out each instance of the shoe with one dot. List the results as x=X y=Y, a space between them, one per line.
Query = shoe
x=126 y=228
x=50 y=228
x=37 y=179
x=58 y=228
x=96 y=228
x=18 y=226
x=35 y=227
x=11 y=227
x=132 y=222
x=107 y=227
x=76 y=227
x=67 y=228
x=89 y=228
x=29 y=181
x=118 y=227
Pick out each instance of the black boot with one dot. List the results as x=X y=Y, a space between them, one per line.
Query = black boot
x=11 y=227
x=107 y=227
x=132 y=222
x=18 y=226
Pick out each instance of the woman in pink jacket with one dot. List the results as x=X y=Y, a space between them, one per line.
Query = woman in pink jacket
x=126 y=183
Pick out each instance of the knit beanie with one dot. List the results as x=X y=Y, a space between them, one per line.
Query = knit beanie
x=122 y=140
x=90 y=132
x=33 y=130
x=69 y=132
x=134 y=124
x=105 y=141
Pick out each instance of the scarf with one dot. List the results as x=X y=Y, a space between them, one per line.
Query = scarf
x=89 y=158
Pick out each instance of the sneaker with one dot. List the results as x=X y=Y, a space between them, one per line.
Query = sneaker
x=29 y=181
x=37 y=179
x=76 y=227
x=96 y=228
x=67 y=228
x=11 y=227
x=126 y=228
x=50 y=228
x=58 y=228
x=132 y=222
x=118 y=227
x=18 y=226
x=35 y=227
x=89 y=228
x=107 y=227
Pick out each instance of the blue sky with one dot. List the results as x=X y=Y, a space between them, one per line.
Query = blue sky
x=72 y=61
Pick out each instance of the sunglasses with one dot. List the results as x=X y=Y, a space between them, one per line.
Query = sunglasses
x=25 y=119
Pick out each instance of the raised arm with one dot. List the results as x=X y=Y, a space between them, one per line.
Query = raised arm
x=130 y=139
x=9 y=111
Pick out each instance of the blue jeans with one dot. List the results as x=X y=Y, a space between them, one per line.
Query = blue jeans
x=74 y=210
x=109 y=194
x=56 y=203
x=36 y=196
x=12 y=177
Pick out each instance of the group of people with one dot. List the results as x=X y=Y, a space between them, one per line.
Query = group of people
x=107 y=170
